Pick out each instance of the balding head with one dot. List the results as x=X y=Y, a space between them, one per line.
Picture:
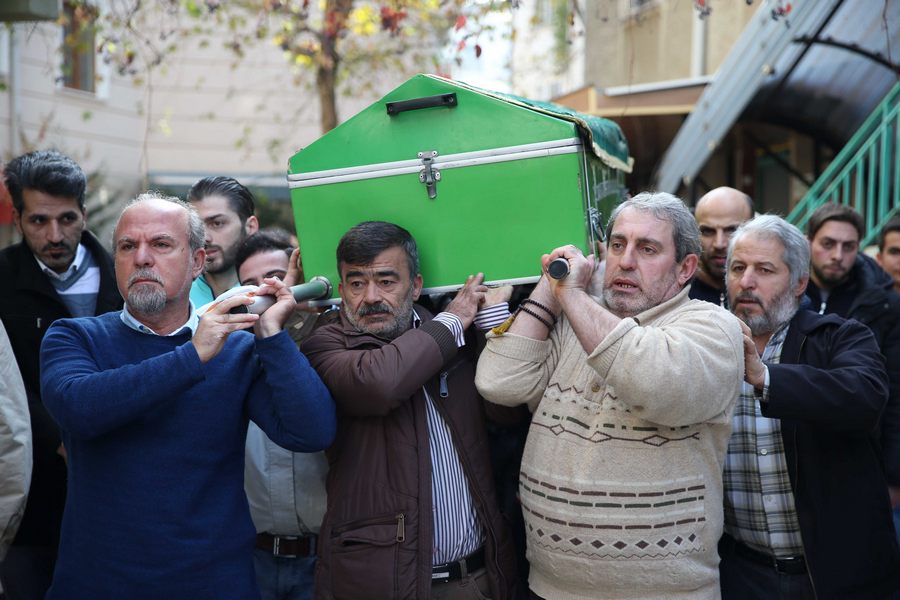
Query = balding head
x=719 y=213
x=154 y=201
x=726 y=199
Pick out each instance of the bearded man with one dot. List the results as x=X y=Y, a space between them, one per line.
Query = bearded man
x=719 y=213
x=58 y=270
x=412 y=510
x=153 y=405
x=227 y=208
x=807 y=513
x=631 y=394
x=850 y=284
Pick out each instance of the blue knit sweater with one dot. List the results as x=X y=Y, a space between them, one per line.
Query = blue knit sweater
x=155 y=440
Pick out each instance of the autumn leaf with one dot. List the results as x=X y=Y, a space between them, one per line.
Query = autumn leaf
x=193 y=9
x=460 y=22
x=477 y=50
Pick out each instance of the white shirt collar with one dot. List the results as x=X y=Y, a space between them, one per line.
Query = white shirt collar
x=80 y=254
x=190 y=326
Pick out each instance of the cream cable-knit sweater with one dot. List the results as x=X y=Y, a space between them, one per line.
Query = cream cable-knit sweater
x=621 y=480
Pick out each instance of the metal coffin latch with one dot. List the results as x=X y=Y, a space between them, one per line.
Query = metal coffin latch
x=428 y=175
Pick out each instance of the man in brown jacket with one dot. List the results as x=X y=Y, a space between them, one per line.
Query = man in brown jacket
x=412 y=512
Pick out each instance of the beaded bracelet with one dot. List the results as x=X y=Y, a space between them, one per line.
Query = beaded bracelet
x=541 y=306
x=537 y=316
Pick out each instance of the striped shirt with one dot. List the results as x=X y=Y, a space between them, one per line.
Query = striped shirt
x=759 y=502
x=457 y=530
x=79 y=285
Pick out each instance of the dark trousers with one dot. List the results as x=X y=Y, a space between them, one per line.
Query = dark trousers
x=744 y=579
x=27 y=571
x=473 y=586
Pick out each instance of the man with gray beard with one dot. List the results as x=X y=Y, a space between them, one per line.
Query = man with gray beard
x=153 y=404
x=412 y=509
x=807 y=513
x=631 y=395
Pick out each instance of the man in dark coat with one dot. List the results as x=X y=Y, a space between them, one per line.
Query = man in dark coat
x=412 y=511
x=846 y=282
x=58 y=270
x=807 y=513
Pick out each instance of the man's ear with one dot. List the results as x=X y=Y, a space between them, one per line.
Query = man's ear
x=251 y=225
x=199 y=261
x=417 y=287
x=17 y=219
x=687 y=268
x=800 y=288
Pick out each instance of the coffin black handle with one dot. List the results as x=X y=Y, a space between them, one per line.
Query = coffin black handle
x=445 y=100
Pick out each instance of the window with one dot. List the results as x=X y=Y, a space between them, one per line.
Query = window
x=79 y=47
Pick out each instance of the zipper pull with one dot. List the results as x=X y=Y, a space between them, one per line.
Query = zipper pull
x=401 y=527
x=822 y=308
x=444 y=390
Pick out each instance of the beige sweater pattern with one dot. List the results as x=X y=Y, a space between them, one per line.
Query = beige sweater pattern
x=620 y=481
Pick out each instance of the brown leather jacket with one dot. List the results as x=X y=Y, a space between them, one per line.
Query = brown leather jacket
x=376 y=539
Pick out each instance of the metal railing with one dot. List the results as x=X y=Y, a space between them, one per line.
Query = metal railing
x=865 y=174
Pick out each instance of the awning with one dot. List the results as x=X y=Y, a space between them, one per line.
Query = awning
x=819 y=71
x=675 y=97
x=649 y=115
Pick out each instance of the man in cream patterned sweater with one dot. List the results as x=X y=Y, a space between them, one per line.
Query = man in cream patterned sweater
x=632 y=395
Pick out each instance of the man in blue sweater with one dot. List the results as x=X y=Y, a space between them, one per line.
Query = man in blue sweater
x=153 y=404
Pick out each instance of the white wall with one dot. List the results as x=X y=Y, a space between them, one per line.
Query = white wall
x=199 y=115
x=103 y=132
x=534 y=73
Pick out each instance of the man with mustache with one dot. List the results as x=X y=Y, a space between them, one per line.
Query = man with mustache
x=153 y=403
x=631 y=395
x=807 y=513
x=58 y=270
x=226 y=208
x=412 y=511
x=848 y=283
x=719 y=213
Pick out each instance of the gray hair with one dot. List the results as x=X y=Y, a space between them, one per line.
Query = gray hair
x=671 y=209
x=767 y=227
x=196 y=230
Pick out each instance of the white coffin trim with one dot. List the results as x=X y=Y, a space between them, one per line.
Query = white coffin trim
x=494 y=282
x=438 y=290
x=450 y=161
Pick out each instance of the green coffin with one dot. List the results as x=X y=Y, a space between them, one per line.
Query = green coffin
x=483 y=181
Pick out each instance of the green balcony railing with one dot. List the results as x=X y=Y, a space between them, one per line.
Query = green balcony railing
x=865 y=173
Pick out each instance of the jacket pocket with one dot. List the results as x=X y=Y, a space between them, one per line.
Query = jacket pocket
x=364 y=557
